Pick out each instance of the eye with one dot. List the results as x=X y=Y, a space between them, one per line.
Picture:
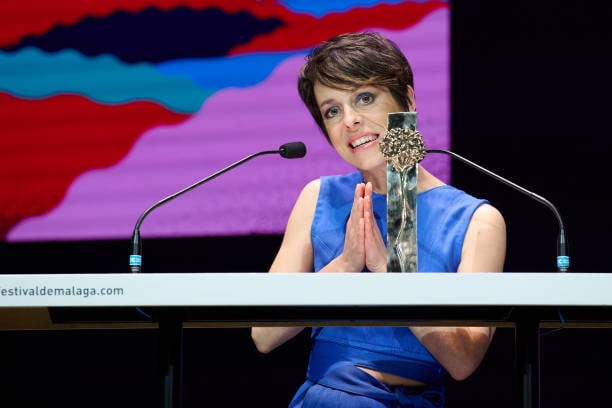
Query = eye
x=365 y=98
x=331 y=112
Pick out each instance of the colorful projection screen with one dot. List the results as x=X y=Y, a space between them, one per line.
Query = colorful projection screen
x=107 y=107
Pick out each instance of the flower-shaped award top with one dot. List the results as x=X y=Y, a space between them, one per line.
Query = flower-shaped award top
x=402 y=145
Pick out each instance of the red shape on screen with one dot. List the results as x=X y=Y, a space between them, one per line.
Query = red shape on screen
x=47 y=143
x=297 y=32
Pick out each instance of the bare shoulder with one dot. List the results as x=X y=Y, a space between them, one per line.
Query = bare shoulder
x=484 y=246
x=295 y=253
x=303 y=211
x=312 y=187
x=489 y=215
x=308 y=196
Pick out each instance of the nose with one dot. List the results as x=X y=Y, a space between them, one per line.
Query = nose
x=351 y=117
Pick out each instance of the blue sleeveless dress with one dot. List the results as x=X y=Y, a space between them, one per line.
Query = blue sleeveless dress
x=443 y=215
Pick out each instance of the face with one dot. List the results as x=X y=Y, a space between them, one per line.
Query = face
x=356 y=120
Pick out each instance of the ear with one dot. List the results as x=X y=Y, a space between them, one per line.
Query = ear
x=411 y=99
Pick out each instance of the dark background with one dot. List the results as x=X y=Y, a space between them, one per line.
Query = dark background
x=530 y=101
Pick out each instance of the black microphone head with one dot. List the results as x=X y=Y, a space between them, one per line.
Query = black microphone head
x=293 y=150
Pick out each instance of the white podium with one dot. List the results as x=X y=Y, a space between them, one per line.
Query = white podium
x=525 y=301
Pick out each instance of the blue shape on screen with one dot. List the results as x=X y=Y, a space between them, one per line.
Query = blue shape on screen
x=321 y=8
x=217 y=73
x=104 y=79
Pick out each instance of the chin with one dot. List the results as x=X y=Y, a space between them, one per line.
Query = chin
x=373 y=164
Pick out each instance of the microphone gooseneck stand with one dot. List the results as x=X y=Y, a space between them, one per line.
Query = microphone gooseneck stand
x=171 y=322
x=527 y=330
x=293 y=150
x=563 y=260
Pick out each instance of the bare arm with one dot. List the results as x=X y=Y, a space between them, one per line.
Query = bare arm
x=461 y=349
x=294 y=255
x=362 y=237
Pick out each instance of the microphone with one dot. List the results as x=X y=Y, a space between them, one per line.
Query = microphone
x=292 y=150
x=563 y=259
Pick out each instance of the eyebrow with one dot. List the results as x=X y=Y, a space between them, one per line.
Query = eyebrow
x=325 y=102
x=363 y=88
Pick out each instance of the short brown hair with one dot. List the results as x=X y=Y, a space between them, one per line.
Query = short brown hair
x=352 y=60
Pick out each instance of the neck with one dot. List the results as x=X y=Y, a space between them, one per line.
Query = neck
x=378 y=178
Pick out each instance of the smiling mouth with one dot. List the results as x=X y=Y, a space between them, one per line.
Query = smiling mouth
x=362 y=141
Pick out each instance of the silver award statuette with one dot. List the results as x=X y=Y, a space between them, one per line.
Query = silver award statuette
x=403 y=148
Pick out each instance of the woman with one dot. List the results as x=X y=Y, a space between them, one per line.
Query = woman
x=338 y=224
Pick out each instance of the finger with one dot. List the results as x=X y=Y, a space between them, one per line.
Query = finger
x=359 y=192
x=354 y=233
x=375 y=250
x=370 y=221
x=368 y=188
x=357 y=207
x=367 y=205
x=354 y=251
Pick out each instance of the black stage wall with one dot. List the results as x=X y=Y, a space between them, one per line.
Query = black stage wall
x=530 y=100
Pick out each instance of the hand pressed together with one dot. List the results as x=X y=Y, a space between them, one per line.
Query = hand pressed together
x=363 y=244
